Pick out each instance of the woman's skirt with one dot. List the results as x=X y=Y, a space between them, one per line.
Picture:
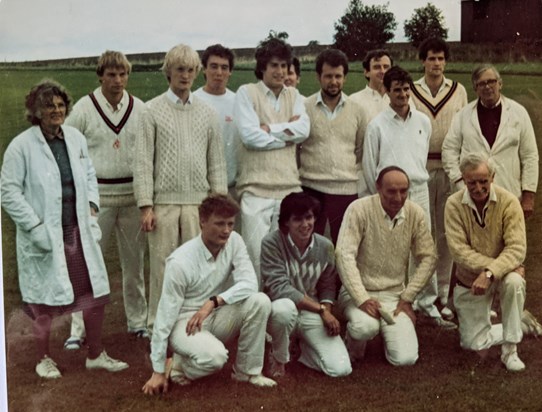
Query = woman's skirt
x=79 y=278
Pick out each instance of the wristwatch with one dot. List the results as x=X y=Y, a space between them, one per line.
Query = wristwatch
x=489 y=275
x=214 y=299
x=322 y=309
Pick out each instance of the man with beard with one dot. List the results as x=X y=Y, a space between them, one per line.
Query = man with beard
x=331 y=155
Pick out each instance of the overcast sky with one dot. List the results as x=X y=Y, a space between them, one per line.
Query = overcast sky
x=49 y=29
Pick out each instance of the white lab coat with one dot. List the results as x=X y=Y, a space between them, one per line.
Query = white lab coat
x=32 y=196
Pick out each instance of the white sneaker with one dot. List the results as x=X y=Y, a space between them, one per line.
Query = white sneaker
x=529 y=324
x=256 y=380
x=444 y=324
x=47 y=369
x=510 y=358
x=105 y=362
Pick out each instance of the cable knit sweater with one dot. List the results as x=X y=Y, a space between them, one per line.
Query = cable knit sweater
x=111 y=143
x=499 y=246
x=287 y=275
x=179 y=153
x=269 y=173
x=373 y=257
x=331 y=156
x=450 y=99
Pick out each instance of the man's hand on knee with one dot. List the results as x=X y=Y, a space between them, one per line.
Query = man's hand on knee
x=481 y=284
x=196 y=322
x=405 y=307
x=371 y=306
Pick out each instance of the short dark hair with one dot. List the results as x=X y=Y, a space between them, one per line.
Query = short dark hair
x=297 y=204
x=388 y=169
x=434 y=44
x=398 y=74
x=218 y=204
x=297 y=66
x=268 y=49
x=333 y=57
x=375 y=54
x=42 y=94
x=220 y=51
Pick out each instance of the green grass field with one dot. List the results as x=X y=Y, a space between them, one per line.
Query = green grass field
x=444 y=379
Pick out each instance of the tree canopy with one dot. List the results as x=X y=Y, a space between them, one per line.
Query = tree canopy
x=363 y=28
x=425 y=22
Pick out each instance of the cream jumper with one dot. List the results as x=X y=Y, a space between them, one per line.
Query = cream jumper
x=269 y=173
x=371 y=256
x=450 y=99
x=499 y=246
x=111 y=139
x=179 y=153
x=331 y=156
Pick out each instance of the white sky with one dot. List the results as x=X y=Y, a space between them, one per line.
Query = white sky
x=48 y=29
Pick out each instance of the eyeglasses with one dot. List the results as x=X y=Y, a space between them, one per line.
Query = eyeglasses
x=490 y=83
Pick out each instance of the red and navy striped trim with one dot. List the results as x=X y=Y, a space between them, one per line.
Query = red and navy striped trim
x=434 y=109
x=117 y=129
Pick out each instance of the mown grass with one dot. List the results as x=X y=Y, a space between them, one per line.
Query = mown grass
x=444 y=379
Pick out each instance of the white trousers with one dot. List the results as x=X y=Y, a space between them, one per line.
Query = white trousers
x=473 y=312
x=439 y=191
x=175 y=225
x=319 y=350
x=400 y=339
x=204 y=353
x=260 y=216
x=131 y=243
x=425 y=300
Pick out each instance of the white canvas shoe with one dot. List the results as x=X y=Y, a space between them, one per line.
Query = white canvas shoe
x=104 y=361
x=530 y=325
x=256 y=380
x=47 y=369
x=510 y=358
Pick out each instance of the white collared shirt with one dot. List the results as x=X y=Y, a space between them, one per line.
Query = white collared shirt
x=393 y=222
x=467 y=200
x=301 y=256
x=330 y=114
x=176 y=99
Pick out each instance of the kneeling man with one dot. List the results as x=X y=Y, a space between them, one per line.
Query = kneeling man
x=210 y=297
x=299 y=275
x=485 y=229
x=377 y=236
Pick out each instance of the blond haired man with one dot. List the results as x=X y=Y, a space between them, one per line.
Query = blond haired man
x=179 y=161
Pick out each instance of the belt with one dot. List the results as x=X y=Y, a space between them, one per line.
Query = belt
x=115 y=181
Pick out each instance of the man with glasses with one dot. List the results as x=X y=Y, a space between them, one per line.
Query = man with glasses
x=501 y=129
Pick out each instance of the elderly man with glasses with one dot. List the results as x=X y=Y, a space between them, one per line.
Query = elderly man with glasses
x=501 y=129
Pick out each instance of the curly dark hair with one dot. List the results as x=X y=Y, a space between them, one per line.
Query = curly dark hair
x=268 y=49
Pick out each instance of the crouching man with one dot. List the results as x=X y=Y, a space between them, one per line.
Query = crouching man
x=299 y=275
x=377 y=236
x=485 y=229
x=210 y=297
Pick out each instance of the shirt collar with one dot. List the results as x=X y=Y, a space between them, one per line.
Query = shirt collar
x=268 y=91
x=489 y=108
x=446 y=83
x=311 y=245
x=320 y=100
x=467 y=200
x=100 y=96
x=175 y=99
x=397 y=220
x=394 y=114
